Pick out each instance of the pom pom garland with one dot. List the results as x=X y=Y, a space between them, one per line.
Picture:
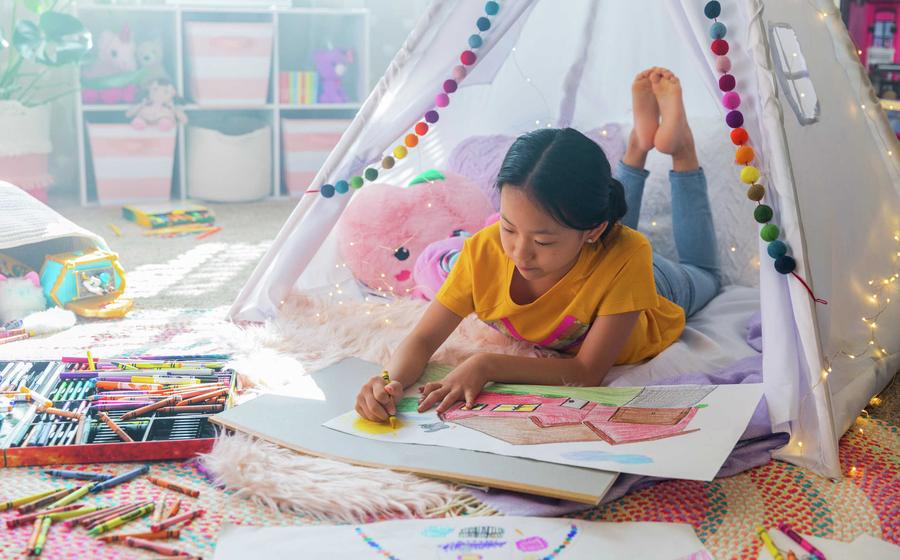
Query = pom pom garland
x=785 y=264
x=777 y=249
x=483 y=23
x=491 y=8
x=431 y=117
x=371 y=174
x=723 y=64
x=719 y=47
x=468 y=58
x=442 y=100
x=734 y=119
x=327 y=191
x=450 y=86
x=718 y=30
x=739 y=136
x=744 y=155
x=749 y=175
x=474 y=41
x=341 y=186
x=387 y=162
x=421 y=129
x=411 y=140
x=769 y=232
x=400 y=152
x=356 y=181
x=459 y=72
x=731 y=100
x=712 y=9
x=756 y=192
x=727 y=82
x=763 y=214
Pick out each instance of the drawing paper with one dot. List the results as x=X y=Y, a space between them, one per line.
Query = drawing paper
x=676 y=431
x=466 y=538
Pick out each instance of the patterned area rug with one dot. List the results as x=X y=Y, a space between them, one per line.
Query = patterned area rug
x=724 y=512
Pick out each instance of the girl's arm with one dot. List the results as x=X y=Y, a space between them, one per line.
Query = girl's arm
x=602 y=345
x=407 y=363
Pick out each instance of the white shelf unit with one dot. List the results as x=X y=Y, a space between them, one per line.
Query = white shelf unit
x=323 y=26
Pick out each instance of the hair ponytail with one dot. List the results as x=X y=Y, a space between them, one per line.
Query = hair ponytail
x=617 y=206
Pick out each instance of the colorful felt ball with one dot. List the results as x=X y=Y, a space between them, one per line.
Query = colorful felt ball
x=387 y=163
x=371 y=174
x=356 y=182
x=717 y=30
x=769 y=232
x=327 y=191
x=468 y=58
x=712 y=9
x=785 y=264
x=450 y=86
x=749 y=174
x=400 y=152
x=491 y=8
x=719 y=47
x=723 y=64
x=756 y=192
x=474 y=41
x=763 y=214
x=411 y=140
x=727 y=82
x=341 y=186
x=731 y=100
x=458 y=72
x=734 y=119
x=442 y=100
x=777 y=249
x=739 y=136
x=483 y=23
x=744 y=155
x=421 y=128
x=431 y=117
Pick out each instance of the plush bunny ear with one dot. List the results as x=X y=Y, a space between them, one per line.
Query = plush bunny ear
x=35 y=279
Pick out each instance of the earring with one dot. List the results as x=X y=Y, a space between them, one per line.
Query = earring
x=590 y=240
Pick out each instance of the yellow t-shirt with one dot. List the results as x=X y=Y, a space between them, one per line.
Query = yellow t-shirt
x=609 y=278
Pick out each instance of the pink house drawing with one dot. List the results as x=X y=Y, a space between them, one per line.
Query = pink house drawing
x=532 y=419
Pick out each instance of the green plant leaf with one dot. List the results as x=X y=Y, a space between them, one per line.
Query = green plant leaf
x=38 y=6
x=27 y=39
x=67 y=40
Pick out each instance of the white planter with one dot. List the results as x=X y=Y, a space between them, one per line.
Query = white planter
x=229 y=168
x=25 y=146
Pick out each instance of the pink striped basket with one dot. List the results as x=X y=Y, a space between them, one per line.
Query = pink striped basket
x=230 y=62
x=307 y=142
x=131 y=164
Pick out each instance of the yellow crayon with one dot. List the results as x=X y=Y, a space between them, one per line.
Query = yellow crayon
x=26 y=499
x=387 y=380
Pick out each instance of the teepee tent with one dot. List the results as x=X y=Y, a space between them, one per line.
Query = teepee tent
x=828 y=161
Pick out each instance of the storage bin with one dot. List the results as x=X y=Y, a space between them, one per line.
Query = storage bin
x=131 y=164
x=307 y=143
x=230 y=62
x=231 y=162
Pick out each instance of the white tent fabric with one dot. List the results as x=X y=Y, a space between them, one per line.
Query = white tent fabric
x=834 y=184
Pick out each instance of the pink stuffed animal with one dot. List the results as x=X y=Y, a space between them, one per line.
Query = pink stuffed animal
x=385 y=228
x=115 y=55
x=20 y=297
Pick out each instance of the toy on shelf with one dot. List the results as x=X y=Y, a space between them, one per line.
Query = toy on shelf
x=332 y=64
x=150 y=61
x=113 y=75
x=89 y=283
x=158 y=108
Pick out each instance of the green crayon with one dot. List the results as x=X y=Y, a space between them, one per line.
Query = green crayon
x=121 y=520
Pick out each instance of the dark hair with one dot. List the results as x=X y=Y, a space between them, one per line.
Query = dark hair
x=568 y=175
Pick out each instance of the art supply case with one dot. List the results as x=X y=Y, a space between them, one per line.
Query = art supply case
x=156 y=435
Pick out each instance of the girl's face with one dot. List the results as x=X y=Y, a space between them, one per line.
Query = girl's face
x=539 y=246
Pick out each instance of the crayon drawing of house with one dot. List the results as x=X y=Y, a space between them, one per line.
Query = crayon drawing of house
x=535 y=419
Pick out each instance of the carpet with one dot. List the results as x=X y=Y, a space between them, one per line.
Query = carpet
x=723 y=513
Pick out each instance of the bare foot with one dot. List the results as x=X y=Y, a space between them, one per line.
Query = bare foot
x=646 y=110
x=673 y=134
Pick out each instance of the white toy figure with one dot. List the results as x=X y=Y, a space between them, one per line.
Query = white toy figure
x=158 y=108
x=20 y=297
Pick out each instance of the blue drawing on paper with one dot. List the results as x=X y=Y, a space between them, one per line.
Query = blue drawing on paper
x=627 y=459
x=437 y=531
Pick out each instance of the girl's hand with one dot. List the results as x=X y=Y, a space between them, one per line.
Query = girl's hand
x=463 y=383
x=376 y=401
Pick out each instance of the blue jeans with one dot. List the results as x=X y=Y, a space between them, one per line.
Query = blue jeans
x=694 y=279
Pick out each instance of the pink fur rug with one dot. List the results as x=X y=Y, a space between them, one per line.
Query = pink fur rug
x=309 y=336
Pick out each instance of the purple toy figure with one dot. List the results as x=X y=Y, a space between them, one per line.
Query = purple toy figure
x=331 y=65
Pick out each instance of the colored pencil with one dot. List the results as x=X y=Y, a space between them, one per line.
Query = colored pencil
x=114 y=427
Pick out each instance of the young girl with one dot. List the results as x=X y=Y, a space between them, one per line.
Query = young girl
x=561 y=271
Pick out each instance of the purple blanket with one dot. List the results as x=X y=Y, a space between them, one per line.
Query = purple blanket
x=754 y=448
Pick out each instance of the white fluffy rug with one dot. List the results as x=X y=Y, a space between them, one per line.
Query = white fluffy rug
x=310 y=336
